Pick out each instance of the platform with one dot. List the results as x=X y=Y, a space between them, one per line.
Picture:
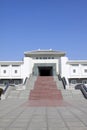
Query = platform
x=19 y=115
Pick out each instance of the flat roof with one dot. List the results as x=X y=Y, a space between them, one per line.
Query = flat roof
x=11 y=62
x=77 y=62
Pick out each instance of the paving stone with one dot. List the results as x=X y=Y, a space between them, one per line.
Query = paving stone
x=15 y=128
x=57 y=128
x=14 y=115
x=37 y=128
x=58 y=125
x=74 y=123
x=78 y=128
x=2 y=128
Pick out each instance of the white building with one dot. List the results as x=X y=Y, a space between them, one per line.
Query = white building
x=44 y=63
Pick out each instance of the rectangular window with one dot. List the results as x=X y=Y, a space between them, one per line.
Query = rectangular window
x=4 y=65
x=16 y=71
x=75 y=64
x=15 y=65
x=4 y=71
x=84 y=64
x=44 y=57
x=84 y=81
x=85 y=70
x=73 y=81
x=74 y=70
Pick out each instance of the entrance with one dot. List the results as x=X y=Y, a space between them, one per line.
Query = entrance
x=45 y=71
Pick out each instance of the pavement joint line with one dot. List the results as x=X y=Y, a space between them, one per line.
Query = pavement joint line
x=74 y=106
x=58 y=111
x=10 y=111
x=77 y=117
x=4 y=108
x=46 y=117
x=28 y=124
x=15 y=118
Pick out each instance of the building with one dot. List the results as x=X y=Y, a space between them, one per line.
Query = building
x=44 y=63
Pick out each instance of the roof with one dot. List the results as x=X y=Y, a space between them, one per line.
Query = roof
x=44 y=52
x=11 y=62
x=77 y=62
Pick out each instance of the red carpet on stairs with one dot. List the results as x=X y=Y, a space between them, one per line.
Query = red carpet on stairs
x=45 y=93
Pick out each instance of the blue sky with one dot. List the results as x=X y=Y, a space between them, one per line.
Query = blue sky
x=27 y=25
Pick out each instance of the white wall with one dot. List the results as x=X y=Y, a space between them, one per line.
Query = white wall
x=27 y=67
x=16 y=71
x=11 y=71
x=65 y=69
x=80 y=71
x=6 y=69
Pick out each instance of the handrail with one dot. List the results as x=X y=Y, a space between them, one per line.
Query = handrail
x=64 y=82
x=83 y=89
x=25 y=80
x=1 y=92
x=7 y=86
x=4 y=92
x=21 y=86
x=59 y=77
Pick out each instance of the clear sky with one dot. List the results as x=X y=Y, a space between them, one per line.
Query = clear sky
x=27 y=25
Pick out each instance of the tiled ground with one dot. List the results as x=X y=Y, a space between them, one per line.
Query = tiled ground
x=19 y=115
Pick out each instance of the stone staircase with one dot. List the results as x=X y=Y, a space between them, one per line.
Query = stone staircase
x=45 y=88
x=72 y=94
x=68 y=94
x=23 y=94
x=58 y=83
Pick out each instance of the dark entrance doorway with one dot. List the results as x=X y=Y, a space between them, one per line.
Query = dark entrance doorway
x=45 y=71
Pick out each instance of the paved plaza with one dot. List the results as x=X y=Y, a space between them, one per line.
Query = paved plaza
x=18 y=114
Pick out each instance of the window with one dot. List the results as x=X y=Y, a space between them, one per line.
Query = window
x=75 y=64
x=4 y=65
x=85 y=70
x=44 y=57
x=84 y=81
x=73 y=81
x=74 y=70
x=16 y=82
x=84 y=64
x=4 y=71
x=15 y=65
x=15 y=71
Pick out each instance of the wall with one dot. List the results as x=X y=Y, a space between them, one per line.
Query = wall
x=27 y=67
x=10 y=71
x=65 y=69
x=80 y=71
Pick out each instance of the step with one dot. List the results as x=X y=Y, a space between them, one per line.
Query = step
x=45 y=88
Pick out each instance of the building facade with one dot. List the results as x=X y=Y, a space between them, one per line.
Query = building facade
x=44 y=63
